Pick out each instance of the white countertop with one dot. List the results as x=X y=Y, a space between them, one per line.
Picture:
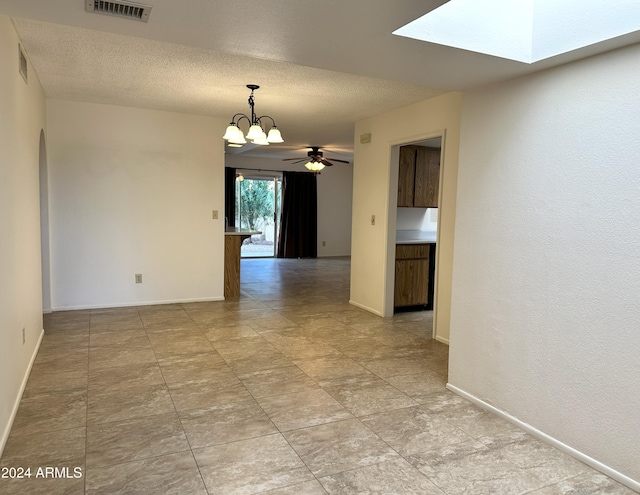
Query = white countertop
x=240 y=231
x=415 y=237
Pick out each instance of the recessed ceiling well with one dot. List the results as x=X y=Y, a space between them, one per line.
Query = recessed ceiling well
x=525 y=30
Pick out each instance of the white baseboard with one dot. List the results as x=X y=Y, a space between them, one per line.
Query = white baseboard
x=366 y=308
x=589 y=461
x=136 y=303
x=16 y=405
x=442 y=339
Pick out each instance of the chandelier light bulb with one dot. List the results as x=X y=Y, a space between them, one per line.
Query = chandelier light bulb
x=274 y=135
x=238 y=137
x=255 y=132
x=230 y=132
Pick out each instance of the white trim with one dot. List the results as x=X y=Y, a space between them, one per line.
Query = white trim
x=589 y=461
x=366 y=308
x=16 y=405
x=394 y=160
x=137 y=303
x=442 y=339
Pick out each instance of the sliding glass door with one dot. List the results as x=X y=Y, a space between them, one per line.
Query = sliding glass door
x=258 y=208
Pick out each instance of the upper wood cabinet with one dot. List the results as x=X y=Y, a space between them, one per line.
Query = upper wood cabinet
x=418 y=177
x=406 y=176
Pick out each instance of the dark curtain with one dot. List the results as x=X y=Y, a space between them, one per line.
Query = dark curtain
x=230 y=195
x=299 y=218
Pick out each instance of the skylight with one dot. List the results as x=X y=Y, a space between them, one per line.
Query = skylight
x=524 y=30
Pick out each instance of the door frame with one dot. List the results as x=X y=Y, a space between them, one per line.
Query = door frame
x=273 y=175
x=392 y=210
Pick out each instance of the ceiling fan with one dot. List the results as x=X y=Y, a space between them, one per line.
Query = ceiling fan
x=315 y=160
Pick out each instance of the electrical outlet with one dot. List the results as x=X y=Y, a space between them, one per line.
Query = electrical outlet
x=373 y=219
x=214 y=214
x=24 y=336
x=138 y=278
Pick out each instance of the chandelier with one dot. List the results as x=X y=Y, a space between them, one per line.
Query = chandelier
x=256 y=133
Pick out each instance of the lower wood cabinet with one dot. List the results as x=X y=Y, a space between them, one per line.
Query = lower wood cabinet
x=415 y=265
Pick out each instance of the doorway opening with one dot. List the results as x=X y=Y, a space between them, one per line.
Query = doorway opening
x=415 y=252
x=258 y=206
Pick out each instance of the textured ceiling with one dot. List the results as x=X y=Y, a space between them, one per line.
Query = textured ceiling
x=321 y=65
x=311 y=106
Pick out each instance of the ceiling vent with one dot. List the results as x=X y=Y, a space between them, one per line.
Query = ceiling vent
x=128 y=10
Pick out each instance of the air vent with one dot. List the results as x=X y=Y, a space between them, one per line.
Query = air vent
x=128 y=10
x=22 y=62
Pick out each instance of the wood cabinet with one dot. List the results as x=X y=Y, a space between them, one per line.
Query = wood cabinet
x=415 y=264
x=418 y=177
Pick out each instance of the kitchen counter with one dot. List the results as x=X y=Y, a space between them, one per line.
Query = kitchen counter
x=240 y=231
x=415 y=237
x=233 y=237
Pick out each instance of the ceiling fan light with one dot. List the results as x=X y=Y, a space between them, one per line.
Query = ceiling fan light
x=274 y=135
x=314 y=166
x=255 y=132
x=234 y=145
x=262 y=140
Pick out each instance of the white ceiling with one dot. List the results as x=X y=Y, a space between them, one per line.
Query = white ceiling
x=321 y=64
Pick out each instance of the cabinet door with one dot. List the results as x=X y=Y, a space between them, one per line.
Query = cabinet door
x=412 y=282
x=412 y=251
x=406 y=176
x=427 y=177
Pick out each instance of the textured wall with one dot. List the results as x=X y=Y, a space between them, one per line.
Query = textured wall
x=131 y=191
x=22 y=118
x=546 y=282
x=375 y=193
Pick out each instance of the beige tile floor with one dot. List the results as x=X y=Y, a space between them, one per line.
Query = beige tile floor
x=287 y=390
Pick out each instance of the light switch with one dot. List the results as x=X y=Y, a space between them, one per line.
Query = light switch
x=214 y=214
x=373 y=219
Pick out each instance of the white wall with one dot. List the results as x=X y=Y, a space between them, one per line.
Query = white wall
x=425 y=219
x=545 y=320
x=334 y=200
x=132 y=191
x=22 y=117
x=375 y=179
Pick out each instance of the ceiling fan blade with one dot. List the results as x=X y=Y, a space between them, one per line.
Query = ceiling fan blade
x=336 y=160
x=289 y=159
x=326 y=163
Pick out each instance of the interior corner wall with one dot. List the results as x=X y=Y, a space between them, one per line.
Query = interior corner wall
x=132 y=191
x=373 y=252
x=22 y=117
x=545 y=309
x=335 y=186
